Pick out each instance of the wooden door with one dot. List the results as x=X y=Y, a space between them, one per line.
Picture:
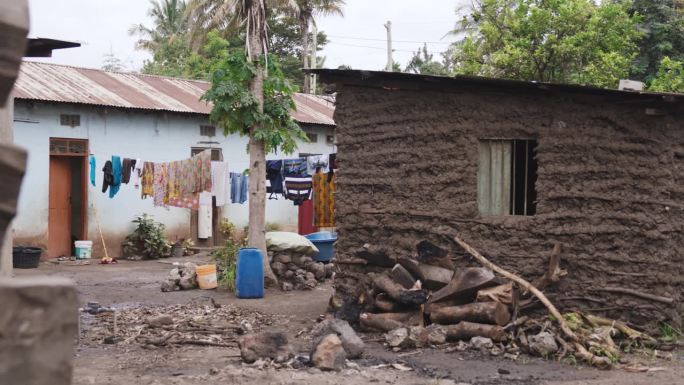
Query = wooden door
x=59 y=216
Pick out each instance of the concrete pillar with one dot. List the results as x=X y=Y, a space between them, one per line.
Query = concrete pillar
x=6 y=137
x=38 y=330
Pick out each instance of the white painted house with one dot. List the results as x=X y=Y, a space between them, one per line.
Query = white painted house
x=62 y=114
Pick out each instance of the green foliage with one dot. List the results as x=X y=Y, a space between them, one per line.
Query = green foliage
x=669 y=333
x=173 y=41
x=670 y=76
x=422 y=62
x=565 y=41
x=235 y=108
x=226 y=256
x=147 y=241
x=663 y=27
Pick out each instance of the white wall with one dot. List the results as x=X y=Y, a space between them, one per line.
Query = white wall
x=150 y=136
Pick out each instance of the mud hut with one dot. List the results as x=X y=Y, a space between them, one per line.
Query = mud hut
x=513 y=168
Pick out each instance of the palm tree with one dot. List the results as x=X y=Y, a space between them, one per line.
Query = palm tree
x=305 y=11
x=232 y=15
x=169 y=24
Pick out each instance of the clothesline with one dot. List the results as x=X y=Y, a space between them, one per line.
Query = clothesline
x=188 y=183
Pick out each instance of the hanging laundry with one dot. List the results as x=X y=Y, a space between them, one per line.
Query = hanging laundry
x=127 y=167
x=190 y=202
x=296 y=166
x=174 y=181
x=92 y=164
x=202 y=171
x=116 y=179
x=147 y=180
x=161 y=184
x=239 y=186
x=324 y=200
x=204 y=219
x=274 y=178
x=298 y=188
x=219 y=182
x=205 y=199
x=137 y=173
x=315 y=162
x=108 y=177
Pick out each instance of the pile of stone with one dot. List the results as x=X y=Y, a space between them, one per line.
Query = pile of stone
x=182 y=277
x=334 y=342
x=299 y=272
x=291 y=257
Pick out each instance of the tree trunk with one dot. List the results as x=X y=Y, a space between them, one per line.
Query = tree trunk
x=257 y=160
x=485 y=312
x=304 y=27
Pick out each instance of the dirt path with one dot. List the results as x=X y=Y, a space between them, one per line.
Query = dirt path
x=131 y=284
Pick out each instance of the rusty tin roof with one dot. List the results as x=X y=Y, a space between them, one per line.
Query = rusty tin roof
x=66 y=84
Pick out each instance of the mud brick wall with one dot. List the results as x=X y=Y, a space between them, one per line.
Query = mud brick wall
x=610 y=186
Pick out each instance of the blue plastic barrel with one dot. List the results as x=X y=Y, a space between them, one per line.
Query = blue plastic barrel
x=324 y=241
x=249 y=274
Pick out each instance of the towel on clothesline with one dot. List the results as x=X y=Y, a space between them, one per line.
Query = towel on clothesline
x=219 y=182
x=239 y=186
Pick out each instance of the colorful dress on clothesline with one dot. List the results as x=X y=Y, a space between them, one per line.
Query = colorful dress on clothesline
x=324 y=199
x=147 y=180
x=161 y=184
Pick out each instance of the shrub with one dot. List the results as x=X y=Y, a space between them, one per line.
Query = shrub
x=147 y=241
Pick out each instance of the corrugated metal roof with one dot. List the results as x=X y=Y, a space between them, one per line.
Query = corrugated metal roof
x=392 y=79
x=66 y=84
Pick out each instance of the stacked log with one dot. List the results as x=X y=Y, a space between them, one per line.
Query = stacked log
x=405 y=292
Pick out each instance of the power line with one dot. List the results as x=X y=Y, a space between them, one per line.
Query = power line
x=395 y=41
x=370 y=47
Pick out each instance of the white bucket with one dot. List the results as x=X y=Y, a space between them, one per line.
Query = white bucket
x=84 y=249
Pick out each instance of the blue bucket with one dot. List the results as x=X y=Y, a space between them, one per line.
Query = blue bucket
x=324 y=241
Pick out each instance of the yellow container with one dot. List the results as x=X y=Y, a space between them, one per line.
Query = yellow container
x=206 y=277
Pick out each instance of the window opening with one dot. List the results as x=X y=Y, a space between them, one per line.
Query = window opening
x=506 y=177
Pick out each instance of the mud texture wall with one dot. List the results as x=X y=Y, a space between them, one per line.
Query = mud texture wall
x=610 y=187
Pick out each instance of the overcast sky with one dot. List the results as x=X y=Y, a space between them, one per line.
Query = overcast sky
x=357 y=39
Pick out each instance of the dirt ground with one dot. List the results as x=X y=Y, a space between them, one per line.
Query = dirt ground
x=132 y=284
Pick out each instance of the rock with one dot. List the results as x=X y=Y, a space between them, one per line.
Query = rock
x=398 y=338
x=309 y=276
x=300 y=273
x=288 y=274
x=283 y=258
x=301 y=260
x=329 y=353
x=159 y=320
x=245 y=327
x=481 y=343
x=543 y=344
x=292 y=267
x=318 y=270
x=310 y=284
x=353 y=345
x=286 y=286
x=433 y=335
x=266 y=345
x=329 y=269
x=188 y=283
x=278 y=268
x=169 y=285
x=174 y=274
x=496 y=351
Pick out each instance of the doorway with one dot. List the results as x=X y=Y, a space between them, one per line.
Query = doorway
x=67 y=195
x=216 y=238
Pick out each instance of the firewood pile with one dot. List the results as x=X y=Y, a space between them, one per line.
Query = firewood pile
x=427 y=301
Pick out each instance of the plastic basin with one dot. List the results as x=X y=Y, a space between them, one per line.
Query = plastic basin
x=324 y=241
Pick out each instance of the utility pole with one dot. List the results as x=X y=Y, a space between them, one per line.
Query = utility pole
x=314 y=62
x=390 y=61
